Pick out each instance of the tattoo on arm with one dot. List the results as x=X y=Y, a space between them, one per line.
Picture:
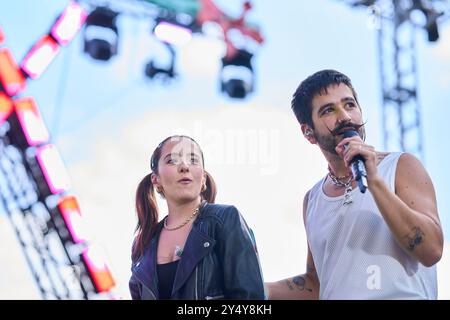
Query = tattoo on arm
x=414 y=238
x=289 y=284
x=300 y=283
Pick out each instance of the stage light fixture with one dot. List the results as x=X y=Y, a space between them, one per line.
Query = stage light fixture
x=11 y=78
x=432 y=28
x=68 y=23
x=52 y=176
x=94 y=260
x=152 y=70
x=40 y=56
x=172 y=33
x=155 y=68
x=69 y=211
x=237 y=75
x=431 y=15
x=27 y=129
x=101 y=34
x=6 y=107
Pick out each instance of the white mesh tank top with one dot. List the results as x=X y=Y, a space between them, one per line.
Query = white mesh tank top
x=355 y=254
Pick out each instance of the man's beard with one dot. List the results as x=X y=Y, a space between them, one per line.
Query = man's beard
x=328 y=142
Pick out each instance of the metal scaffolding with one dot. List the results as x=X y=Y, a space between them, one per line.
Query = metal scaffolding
x=397 y=29
x=56 y=273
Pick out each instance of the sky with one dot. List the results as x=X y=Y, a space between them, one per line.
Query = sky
x=106 y=119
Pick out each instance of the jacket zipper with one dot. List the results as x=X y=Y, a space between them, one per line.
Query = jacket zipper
x=214 y=297
x=196 y=283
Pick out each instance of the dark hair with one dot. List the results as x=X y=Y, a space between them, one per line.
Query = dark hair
x=310 y=87
x=146 y=206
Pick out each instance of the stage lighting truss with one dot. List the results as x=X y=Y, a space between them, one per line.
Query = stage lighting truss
x=397 y=23
x=36 y=180
x=432 y=12
x=72 y=229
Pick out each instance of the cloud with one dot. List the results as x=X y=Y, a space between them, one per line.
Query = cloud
x=201 y=57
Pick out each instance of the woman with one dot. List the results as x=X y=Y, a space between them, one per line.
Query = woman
x=200 y=250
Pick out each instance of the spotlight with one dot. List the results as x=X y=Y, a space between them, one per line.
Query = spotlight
x=49 y=171
x=101 y=34
x=68 y=23
x=11 y=77
x=40 y=56
x=27 y=129
x=237 y=74
x=72 y=224
x=97 y=268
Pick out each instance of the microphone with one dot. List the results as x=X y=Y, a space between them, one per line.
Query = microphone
x=357 y=165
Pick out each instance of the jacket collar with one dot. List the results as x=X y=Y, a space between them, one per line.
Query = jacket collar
x=197 y=246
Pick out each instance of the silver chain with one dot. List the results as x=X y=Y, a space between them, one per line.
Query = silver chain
x=347 y=185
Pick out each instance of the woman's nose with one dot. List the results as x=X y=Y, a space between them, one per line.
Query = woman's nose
x=184 y=166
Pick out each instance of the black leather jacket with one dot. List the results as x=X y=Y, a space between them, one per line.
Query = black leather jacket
x=219 y=260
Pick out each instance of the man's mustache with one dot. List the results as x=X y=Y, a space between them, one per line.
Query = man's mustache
x=347 y=125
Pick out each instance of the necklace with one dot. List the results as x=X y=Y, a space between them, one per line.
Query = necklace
x=183 y=224
x=337 y=181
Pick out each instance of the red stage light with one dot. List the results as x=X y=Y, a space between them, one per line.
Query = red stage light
x=2 y=36
x=53 y=169
x=68 y=23
x=71 y=214
x=31 y=122
x=98 y=269
x=11 y=77
x=6 y=107
x=40 y=56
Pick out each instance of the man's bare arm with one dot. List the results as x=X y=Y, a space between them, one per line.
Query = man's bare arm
x=305 y=286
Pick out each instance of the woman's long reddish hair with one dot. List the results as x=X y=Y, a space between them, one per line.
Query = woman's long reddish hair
x=146 y=206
